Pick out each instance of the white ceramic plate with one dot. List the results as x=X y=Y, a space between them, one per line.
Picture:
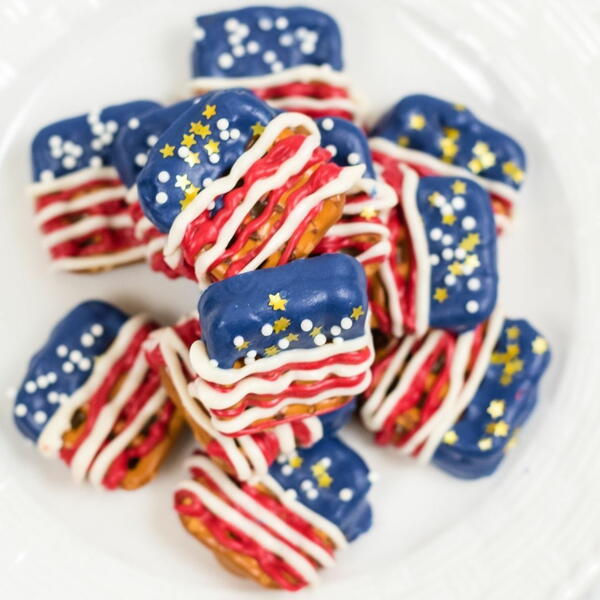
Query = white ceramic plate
x=532 y=530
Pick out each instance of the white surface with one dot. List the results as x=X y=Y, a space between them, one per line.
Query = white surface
x=533 y=530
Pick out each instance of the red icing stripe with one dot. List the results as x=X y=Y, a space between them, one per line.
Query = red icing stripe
x=315 y=89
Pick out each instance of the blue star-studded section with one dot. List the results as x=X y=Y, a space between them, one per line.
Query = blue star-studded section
x=347 y=143
x=64 y=363
x=85 y=141
x=477 y=443
x=260 y=40
x=334 y=420
x=332 y=480
x=303 y=304
x=454 y=134
x=199 y=147
x=461 y=236
x=133 y=143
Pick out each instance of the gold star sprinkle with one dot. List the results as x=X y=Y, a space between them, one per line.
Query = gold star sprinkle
x=470 y=242
x=324 y=480
x=510 y=168
x=190 y=193
x=276 y=302
x=450 y=437
x=192 y=159
x=441 y=295
x=368 y=212
x=212 y=147
x=417 y=121
x=435 y=199
x=281 y=324
x=539 y=345
x=271 y=350
x=318 y=469
x=188 y=139
x=512 y=442
x=485 y=444
x=200 y=129
x=472 y=261
x=257 y=128
x=315 y=331
x=209 y=111
x=451 y=132
x=496 y=408
x=357 y=312
x=459 y=107
x=292 y=337
x=513 y=332
x=243 y=345
x=455 y=268
x=499 y=429
x=459 y=187
x=182 y=181
x=404 y=141
x=449 y=219
x=167 y=150
x=295 y=461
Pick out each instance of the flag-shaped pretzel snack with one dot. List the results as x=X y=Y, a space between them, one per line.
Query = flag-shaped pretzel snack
x=362 y=231
x=435 y=137
x=281 y=530
x=281 y=344
x=246 y=456
x=132 y=147
x=238 y=187
x=441 y=271
x=90 y=398
x=458 y=400
x=289 y=57
x=80 y=205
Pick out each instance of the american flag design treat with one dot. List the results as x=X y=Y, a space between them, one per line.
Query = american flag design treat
x=281 y=344
x=362 y=231
x=238 y=187
x=90 y=398
x=458 y=400
x=80 y=205
x=289 y=57
x=247 y=456
x=436 y=137
x=132 y=147
x=281 y=530
x=442 y=269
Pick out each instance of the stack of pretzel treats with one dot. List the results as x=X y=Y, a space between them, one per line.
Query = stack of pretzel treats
x=345 y=270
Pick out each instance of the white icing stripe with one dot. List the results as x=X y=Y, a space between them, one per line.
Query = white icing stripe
x=132 y=196
x=420 y=248
x=107 y=418
x=214 y=399
x=107 y=456
x=85 y=226
x=225 y=184
x=381 y=249
x=155 y=245
x=142 y=226
x=308 y=103
x=87 y=200
x=72 y=180
x=201 y=363
x=333 y=532
x=440 y=167
x=50 y=440
x=285 y=437
x=380 y=196
x=379 y=406
x=255 y=413
x=315 y=429
x=345 y=179
x=99 y=261
x=458 y=366
x=448 y=414
x=254 y=455
x=262 y=514
x=352 y=229
x=393 y=298
x=263 y=186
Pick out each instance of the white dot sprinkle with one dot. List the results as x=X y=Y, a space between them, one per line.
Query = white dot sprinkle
x=434 y=259
x=141 y=159
x=458 y=203
x=238 y=340
x=30 y=387
x=338 y=340
x=286 y=39
x=224 y=135
x=253 y=47
x=286 y=470
x=373 y=476
x=20 y=410
x=95 y=161
x=63 y=397
x=97 y=329
x=435 y=234
x=151 y=140
x=447 y=209
x=183 y=151
x=98 y=129
x=251 y=354
x=306 y=325
x=472 y=306
x=51 y=377
x=467 y=270
x=320 y=339
x=353 y=158
x=265 y=24
x=447 y=239
x=235 y=134
x=85 y=364
x=225 y=60
x=68 y=367
x=306 y=485
x=282 y=458
x=212 y=205
x=335 y=330
x=307 y=47
x=112 y=127
x=243 y=30
x=214 y=158
x=238 y=51
x=53 y=397
x=69 y=162
x=450 y=279
x=277 y=67
x=42 y=382
x=213 y=363
x=447 y=254
x=469 y=223
x=312 y=494
x=284 y=343
x=266 y=329
x=46 y=175
x=460 y=254
x=326 y=462
x=55 y=140
x=346 y=494
x=327 y=124
x=133 y=123
x=291 y=494
x=62 y=351
x=269 y=57
x=56 y=152
x=346 y=323
x=161 y=197
x=199 y=34
x=164 y=176
x=39 y=416
x=222 y=124
x=207 y=181
x=281 y=23
x=231 y=24
x=474 y=284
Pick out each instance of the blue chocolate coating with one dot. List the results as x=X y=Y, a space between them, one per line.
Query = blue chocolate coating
x=452 y=132
x=323 y=290
x=349 y=141
x=336 y=419
x=67 y=146
x=64 y=362
x=519 y=360
x=260 y=40
x=462 y=251
x=133 y=144
x=327 y=468
x=199 y=149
